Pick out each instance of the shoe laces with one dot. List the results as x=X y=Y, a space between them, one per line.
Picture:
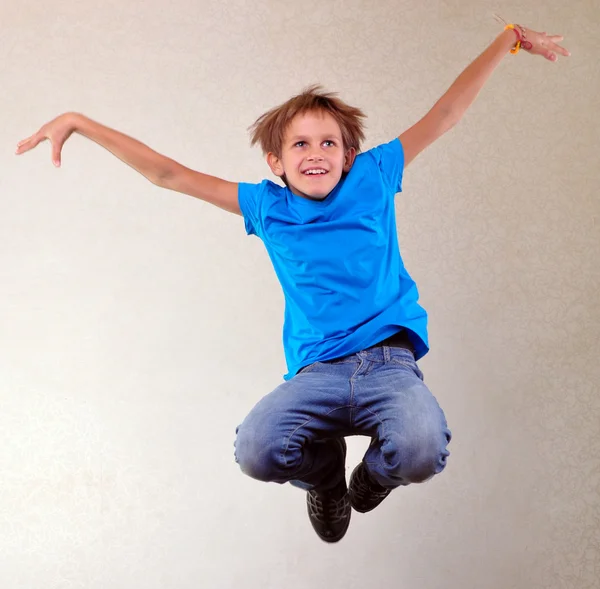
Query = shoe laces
x=364 y=487
x=326 y=509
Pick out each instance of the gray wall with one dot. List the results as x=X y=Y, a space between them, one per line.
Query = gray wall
x=138 y=326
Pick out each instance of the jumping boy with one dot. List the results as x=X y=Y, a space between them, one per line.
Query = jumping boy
x=353 y=328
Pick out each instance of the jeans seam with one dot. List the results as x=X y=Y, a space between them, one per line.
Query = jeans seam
x=381 y=422
x=352 y=403
x=289 y=437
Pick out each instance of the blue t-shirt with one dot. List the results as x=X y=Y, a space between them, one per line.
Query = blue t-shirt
x=338 y=261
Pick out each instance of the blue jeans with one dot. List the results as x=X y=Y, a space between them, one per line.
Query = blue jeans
x=378 y=392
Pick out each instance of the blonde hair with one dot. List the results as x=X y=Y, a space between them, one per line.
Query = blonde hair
x=269 y=129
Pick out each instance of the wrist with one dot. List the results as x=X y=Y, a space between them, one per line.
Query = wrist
x=520 y=39
x=75 y=120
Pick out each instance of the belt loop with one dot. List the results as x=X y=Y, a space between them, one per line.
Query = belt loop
x=386 y=353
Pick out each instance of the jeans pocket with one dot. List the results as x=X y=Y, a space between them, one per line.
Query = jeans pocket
x=407 y=364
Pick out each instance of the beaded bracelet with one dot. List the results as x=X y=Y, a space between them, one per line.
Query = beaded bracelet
x=521 y=39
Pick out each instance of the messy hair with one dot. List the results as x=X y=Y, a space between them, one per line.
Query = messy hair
x=269 y=129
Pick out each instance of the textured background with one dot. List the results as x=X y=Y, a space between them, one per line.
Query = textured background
x=138 y=326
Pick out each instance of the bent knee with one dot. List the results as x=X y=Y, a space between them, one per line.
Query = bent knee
x=258 y=456
x=423 y=468
x=416 y=460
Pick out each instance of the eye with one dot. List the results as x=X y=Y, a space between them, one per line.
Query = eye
x=300 y=144
x=329 y=143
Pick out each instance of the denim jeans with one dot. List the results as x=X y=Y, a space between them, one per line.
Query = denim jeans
x=378 y=392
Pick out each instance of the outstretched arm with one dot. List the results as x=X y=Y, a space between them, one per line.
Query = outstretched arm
x=451 y=107
x=157 y=168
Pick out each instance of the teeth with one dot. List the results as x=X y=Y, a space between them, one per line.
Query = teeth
x=315 y=172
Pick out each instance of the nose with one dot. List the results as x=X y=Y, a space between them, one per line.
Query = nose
x=315 y=156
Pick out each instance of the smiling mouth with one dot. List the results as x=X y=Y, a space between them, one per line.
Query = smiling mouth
x=315 y=172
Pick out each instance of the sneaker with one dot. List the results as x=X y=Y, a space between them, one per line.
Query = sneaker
x=329 y=511
x=364 y=493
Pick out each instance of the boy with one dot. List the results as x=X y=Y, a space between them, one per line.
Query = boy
x=353 y=328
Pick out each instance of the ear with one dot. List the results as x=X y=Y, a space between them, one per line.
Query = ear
x=275 y=164
x=349 y=159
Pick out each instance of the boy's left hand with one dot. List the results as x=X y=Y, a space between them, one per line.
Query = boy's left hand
x=545 y=45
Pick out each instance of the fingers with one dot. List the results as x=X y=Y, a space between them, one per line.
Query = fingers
x=551 y=44
x=56 y=149
x=550 y=52
x=29 y=143
x=24 y=145
x=561 y=50
x=549 y=49
x=36 y=139
x=23 y=141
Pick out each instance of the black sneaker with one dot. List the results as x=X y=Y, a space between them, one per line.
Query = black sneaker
x=365 y=494
x=329 y=511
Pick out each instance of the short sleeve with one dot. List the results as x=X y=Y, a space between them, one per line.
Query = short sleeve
x=248 y=199
x=390 y=157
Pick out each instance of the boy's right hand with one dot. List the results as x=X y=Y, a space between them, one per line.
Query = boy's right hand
x=56 y=131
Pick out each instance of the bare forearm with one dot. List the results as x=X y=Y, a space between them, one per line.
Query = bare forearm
x=159 y=169
x=140 y=157
x=463 y=92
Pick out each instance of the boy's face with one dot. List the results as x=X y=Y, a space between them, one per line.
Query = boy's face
x=313 y=157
